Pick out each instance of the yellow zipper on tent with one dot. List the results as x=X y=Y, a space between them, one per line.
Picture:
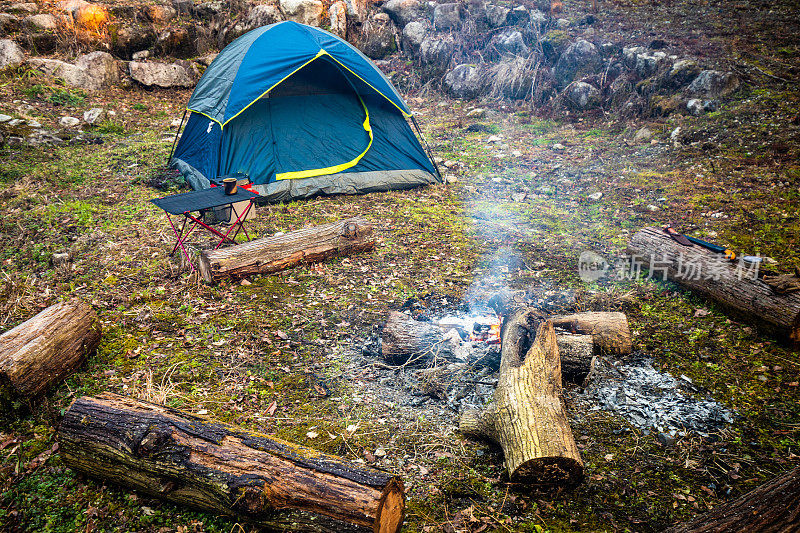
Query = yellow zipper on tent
x=299 y=174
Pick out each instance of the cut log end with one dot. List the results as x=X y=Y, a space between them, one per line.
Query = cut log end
x=391 y=509
x=561 y=471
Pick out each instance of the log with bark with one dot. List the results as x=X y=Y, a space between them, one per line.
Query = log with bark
x=272 y=254
x=609 y=330
x=528 y=418
x=404 y=339
x=217 y=467
x=576 y=353
x=47 y=348
x=773 y=507
x=733 y=284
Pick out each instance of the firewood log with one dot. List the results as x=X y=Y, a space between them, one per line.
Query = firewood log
x=47 y=348
x=732 y=284
x=528 y=418
x=609 y=330
x=576 y=353
x=773 y=507
x=217 y=467
x=272 y=254
x=404 y=338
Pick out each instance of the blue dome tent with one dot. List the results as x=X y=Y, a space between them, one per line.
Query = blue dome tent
x=302 y=113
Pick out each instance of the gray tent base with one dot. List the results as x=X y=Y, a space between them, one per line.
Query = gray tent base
x=328 y=185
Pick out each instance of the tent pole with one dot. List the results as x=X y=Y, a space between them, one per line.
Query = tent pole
x=428 y=148
x=175 y=140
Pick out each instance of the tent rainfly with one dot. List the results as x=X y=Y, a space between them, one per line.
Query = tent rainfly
x=302 y=113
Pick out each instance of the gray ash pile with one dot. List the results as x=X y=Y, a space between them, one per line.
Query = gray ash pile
x=654 y=401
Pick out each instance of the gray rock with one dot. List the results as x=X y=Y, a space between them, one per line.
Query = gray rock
x=404 y=11
x=510 y=42
x=42 y=22
x=68 y=122
x=464 y=81
x=518 y=15
x=496 y=15
x=24 y=7
x=159 y=13
x=538 y=19
x=207 y=10
x=303 y=11
x=648 y=64
x=141 y=55
x=579 y=59
x=160 y=74
x=262 y=15
x=447 y=16
x=356 y=9
x=681 y=73
x=437 y=50
x=9 y=23
x=581 y=96
x=643 y=135
x=94 y=115
x=127 y=39
x=337 y=15
x=413 y=35
x=595 y=196
x=377 y=39
x=11 y=55
x=562 y=24
x=60 y=259
x=5 y=118
x=630 y=54
x=101 y=70
x=696 y=106
x=713 y=83
x=207 y=59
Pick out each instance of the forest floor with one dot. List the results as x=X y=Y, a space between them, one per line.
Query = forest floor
x=282 y=354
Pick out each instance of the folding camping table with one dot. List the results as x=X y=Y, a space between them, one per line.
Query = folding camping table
x=201 y=201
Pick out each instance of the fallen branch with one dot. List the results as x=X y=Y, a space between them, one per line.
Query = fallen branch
x=273 y=254
x=216 y=467
x=47 y=348
x=528 y=419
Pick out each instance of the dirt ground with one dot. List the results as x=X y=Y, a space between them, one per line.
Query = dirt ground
x=283 y=354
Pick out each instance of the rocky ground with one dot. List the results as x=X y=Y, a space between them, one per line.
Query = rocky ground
x=534 y=179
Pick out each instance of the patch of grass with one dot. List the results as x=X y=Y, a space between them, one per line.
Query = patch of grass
x=110 y=127
x=56 y=95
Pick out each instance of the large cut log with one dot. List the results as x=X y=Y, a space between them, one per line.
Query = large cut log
x=216 y=467
x=47 y=348
x=770 y=508
x=576 y=353
x=528 y=418
x=272 y=254
x=733 y=284
x=404 y=339
x=609 y=330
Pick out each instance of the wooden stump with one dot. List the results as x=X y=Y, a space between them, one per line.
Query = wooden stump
x=272 y=254
x=770 y=508
x=609 y=330
x=47 y=348
x=404 y=339
x=217 y=467
x=733 y=284
x=528 y=418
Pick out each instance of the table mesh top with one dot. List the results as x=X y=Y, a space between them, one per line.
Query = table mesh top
x=178 y=204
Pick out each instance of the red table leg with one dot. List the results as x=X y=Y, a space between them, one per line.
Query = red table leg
x=180 y=240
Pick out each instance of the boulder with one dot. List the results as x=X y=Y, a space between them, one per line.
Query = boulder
x=337 y=14
x=175 y=42
x=510 y=42
x=643 y=136
x=447 y=16
x=554 y=43
x=68 y=122
x=262 y=15
x=141 y=55
x=713 y=83
x=356 y=10
x=581 y=96
x=579 y=59
x=90 y=17
x=681 y=73
x=41 y=22
x=647 y=64
x=159 y=13
x=11 y=55
x=91 y=72
x=207 y=11
x=9 y=23
x=511 y=78
x=437 y=50
x=404 y=11
x=377 y=38
x=413 y=35
x=303 y=11
x=538 y=20
x=127 y=39
x=164 y=75
x=94 y=115
x=464 y=81
x=29 y=8
x=496 y=15
x=518 y=15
